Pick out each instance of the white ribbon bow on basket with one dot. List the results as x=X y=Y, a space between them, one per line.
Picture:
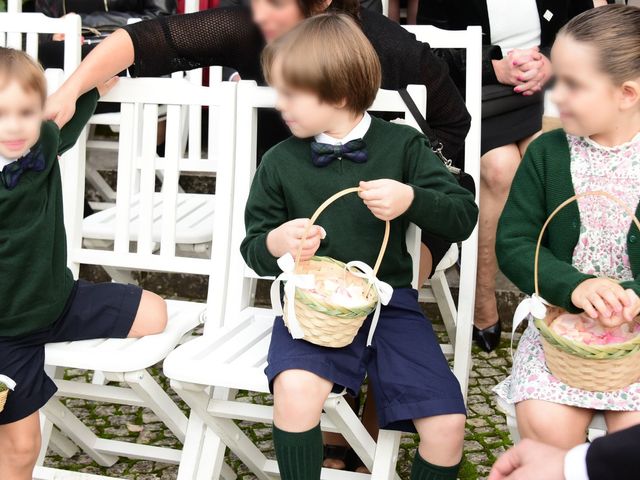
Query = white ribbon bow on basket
x=534 y=306
x=307 y=281
x=384 y=290
x=11 y=385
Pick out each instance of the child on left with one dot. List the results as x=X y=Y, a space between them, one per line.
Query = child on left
x=39 y=300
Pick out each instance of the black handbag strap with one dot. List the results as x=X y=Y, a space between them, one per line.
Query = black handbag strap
x=436 y=145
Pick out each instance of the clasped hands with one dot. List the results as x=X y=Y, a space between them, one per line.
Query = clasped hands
x=387 y=199
x=527 y=70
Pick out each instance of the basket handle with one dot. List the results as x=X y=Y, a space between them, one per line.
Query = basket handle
x=599 y=193
x=322 y=208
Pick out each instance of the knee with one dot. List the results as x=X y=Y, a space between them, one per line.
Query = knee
x=152 y=313
x=446 y=430
x=297 y=391
x=498 y=172
x=21 y=451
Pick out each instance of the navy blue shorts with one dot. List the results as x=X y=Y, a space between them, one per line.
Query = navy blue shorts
x=407 y=371
x=102 y=310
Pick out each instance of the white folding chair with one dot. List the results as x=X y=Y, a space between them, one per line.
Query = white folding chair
x=127 y=360
x=21 y=31
x=233 y=357
x=459 y=320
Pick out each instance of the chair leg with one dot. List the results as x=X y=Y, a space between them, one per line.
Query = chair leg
x=446 y=304
x=157 y=400
x=384 y=466
x=77 y=431
x=226 y=430
x=62 y=445
x=350 y=426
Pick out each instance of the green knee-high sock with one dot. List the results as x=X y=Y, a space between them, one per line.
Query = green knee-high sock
x=299 y=454
x=423 y=470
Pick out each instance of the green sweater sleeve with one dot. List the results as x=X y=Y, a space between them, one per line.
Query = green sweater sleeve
x=265 y=211
x=440 y=205
x=85 y=106
x=518 y=230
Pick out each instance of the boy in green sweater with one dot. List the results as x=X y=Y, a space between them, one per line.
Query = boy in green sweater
x=39 y=300
x=324 y=90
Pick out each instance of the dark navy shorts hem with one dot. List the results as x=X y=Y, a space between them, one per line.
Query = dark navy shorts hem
x=320 y=368
x=103 y=310
x=400 y=416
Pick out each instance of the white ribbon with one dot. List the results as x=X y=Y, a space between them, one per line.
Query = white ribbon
x=8 y=382
x=534 y=306
x=288 y=265
x=307 y=281
x=384 y=290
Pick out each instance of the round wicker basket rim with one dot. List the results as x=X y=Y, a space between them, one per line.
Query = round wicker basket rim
x=322 y=208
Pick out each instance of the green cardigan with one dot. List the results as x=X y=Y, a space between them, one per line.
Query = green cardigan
x=542 y=182
x=35 y=282
x=288 y=186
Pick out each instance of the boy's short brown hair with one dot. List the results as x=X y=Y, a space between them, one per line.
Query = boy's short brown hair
x=17 y=65
x=330 y=55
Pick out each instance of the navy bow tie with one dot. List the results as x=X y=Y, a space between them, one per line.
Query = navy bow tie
x=11 y=173
x=322 y=154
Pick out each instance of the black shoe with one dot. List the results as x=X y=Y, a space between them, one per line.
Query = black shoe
x=488 y=338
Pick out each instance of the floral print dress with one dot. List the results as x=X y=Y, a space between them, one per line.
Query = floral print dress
x=602 y=251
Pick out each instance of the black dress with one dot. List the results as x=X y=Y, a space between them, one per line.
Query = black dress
x=228 y=37
x=517 y=117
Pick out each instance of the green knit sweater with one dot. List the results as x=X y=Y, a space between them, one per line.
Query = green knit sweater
x=288 y=186
x=542 y=182
x=35 y=282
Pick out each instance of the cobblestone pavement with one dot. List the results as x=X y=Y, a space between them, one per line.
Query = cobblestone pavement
x=486 y=437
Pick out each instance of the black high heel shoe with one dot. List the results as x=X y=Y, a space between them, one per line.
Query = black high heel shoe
x=488 y=338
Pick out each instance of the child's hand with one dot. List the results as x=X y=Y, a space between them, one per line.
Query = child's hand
x=387 y=199
x=104 y=88
x=601 y=298
x=287 y=237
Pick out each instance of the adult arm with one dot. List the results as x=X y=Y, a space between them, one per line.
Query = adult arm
x=440 y=205
x=163 y=45
x=520 y=224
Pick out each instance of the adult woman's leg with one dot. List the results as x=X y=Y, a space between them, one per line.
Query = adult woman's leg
x=562 y=426
x=497 y=168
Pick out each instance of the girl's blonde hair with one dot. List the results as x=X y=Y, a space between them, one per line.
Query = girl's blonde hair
x=614 y=32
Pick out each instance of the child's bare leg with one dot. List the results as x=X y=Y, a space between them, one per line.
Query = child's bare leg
x=617 y=421
x=555 y=424
x=298 y=397
x=441 y=438
x=151 y=317
x=19 y=448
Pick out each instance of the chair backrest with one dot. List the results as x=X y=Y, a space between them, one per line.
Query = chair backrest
x=21 y=31
x=153 y=246
x=251 y=98
x=471 y=41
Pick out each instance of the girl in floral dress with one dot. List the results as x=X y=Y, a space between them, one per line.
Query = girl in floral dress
x=590 y=257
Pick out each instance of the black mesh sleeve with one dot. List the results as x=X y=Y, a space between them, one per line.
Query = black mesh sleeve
x=225 y=36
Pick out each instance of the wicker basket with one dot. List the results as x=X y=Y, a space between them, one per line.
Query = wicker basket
x=599 y=368
x=3 y=399
x=322 y=322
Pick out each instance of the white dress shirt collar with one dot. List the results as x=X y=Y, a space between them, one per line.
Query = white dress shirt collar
x=358 y=131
